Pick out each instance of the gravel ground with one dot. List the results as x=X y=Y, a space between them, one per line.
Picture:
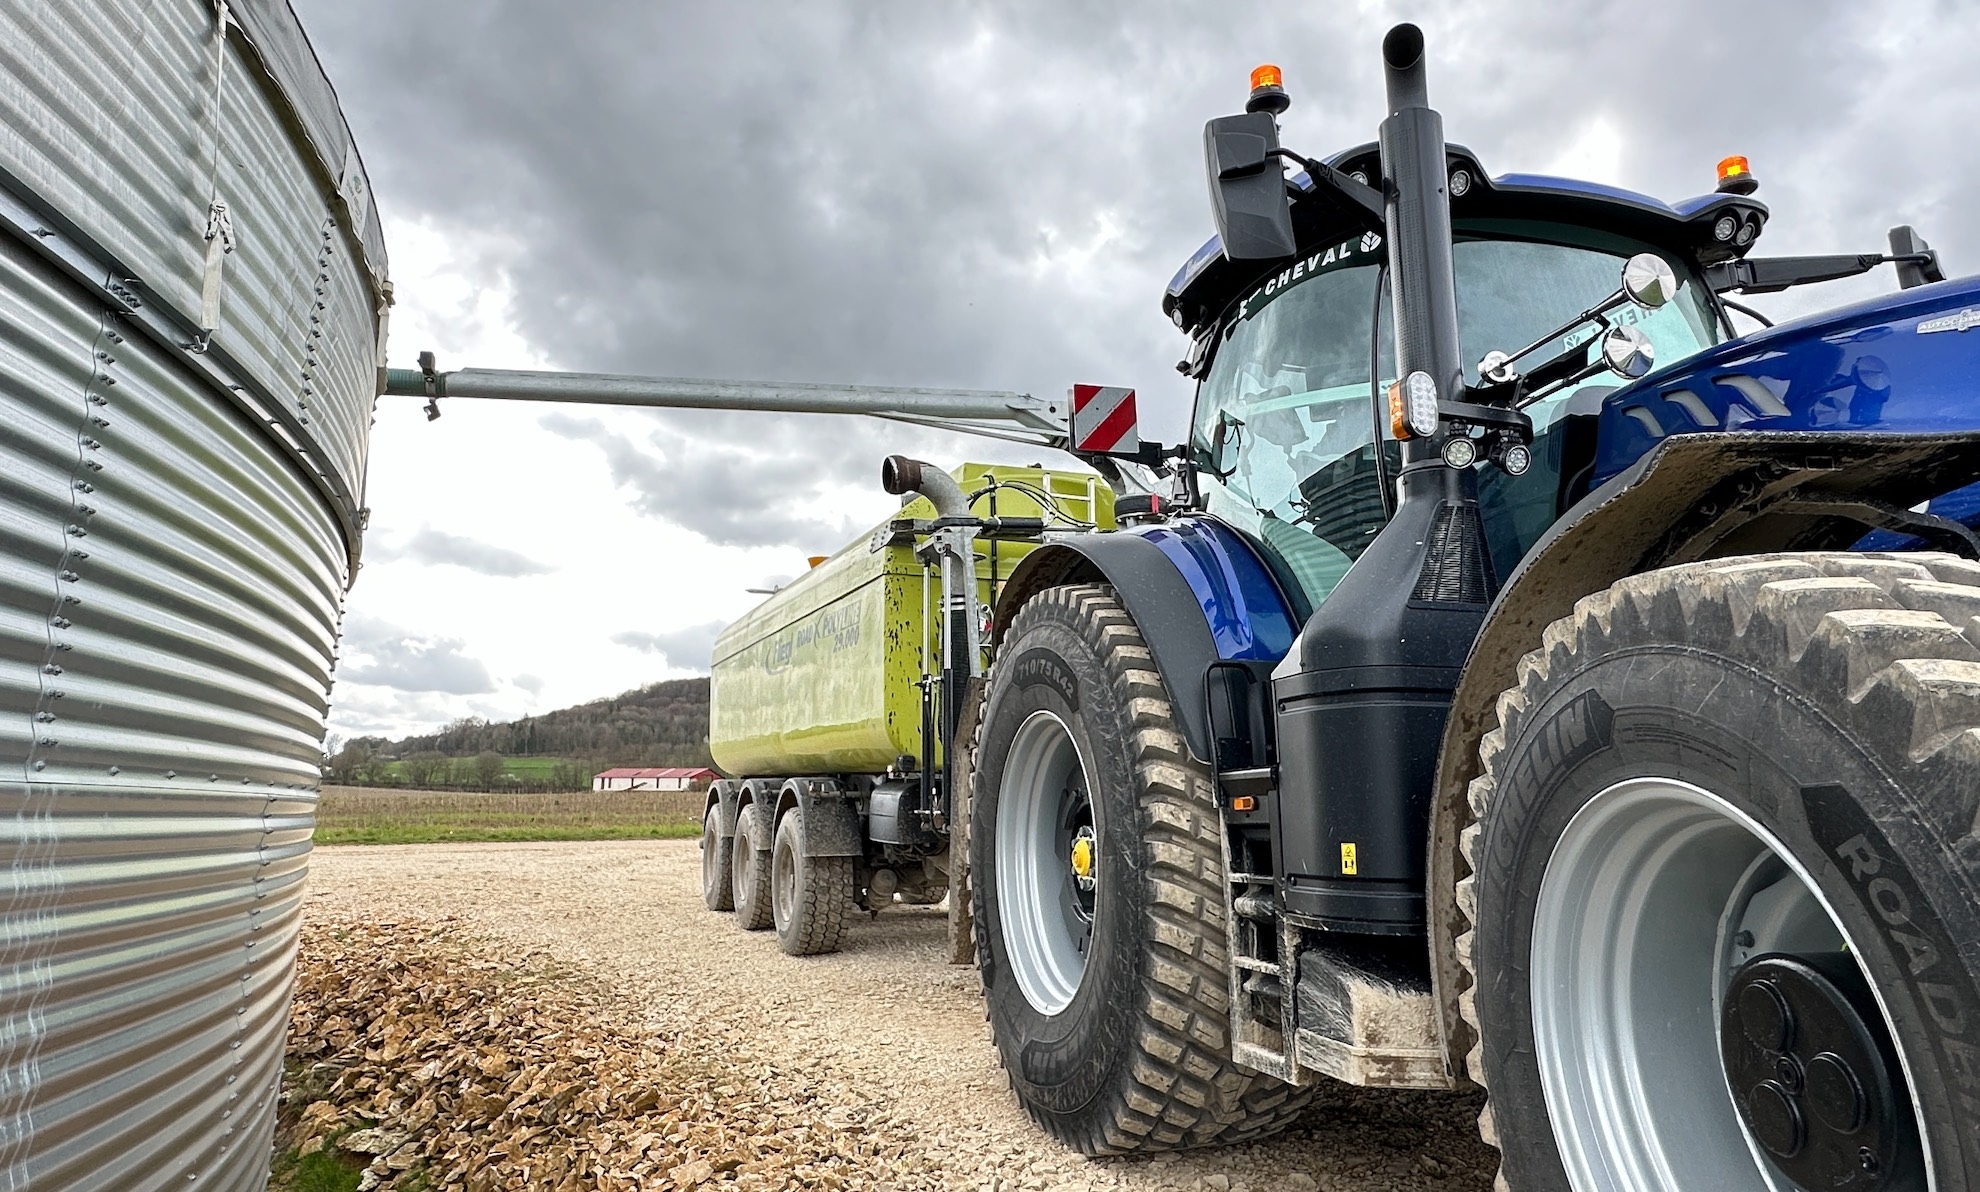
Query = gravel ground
x=888 y=1036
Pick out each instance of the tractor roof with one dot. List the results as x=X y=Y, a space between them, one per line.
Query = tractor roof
x=1208 y=283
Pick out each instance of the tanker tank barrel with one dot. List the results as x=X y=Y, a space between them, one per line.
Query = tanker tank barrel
x=993 y=413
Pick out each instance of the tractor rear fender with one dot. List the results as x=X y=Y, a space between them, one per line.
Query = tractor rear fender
x=1157 y=597
x=1697 y=496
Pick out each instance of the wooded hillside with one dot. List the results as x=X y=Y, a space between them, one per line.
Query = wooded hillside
x=661 y=724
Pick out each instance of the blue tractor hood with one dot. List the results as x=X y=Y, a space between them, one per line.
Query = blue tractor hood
x=1904 y=363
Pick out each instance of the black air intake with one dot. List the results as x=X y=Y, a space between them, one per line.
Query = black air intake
x=1457 y=569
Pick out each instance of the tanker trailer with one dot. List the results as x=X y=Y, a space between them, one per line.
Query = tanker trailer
x=192 y=298
x=828 y=706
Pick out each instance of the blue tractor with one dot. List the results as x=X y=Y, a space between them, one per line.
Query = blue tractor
x=1594 y=715
x=1526 y=680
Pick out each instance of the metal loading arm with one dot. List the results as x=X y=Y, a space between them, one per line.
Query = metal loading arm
x=1018 y=417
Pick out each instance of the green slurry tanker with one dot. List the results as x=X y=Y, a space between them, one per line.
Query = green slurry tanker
x=840 y=673
x=1529 y=673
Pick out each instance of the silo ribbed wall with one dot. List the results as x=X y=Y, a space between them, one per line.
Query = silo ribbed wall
x=180 y=512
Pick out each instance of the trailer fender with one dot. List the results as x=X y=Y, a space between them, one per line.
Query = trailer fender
x=1196 y=591
x=768 y=792
x=830 y=821
x=1697 y=496
x=723 y=793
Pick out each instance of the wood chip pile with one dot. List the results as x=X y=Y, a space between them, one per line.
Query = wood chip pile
x=454 y=1073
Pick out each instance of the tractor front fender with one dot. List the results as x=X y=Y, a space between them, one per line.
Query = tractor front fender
x=1199 y=591
x=1157 y=597
x=1697 y=496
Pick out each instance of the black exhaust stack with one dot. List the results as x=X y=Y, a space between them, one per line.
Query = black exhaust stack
x=1418 y=212
x=1362 y=697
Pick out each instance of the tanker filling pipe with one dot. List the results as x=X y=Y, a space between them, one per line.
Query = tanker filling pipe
x=953 y=545
x=997 y=414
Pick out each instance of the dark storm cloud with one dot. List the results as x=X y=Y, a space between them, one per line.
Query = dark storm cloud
x=381 y=654
x=436 y=546
x=729 y=494
x=954 y=193
x=685 y=648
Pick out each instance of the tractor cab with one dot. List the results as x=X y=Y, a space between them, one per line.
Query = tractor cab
x=1292 y=439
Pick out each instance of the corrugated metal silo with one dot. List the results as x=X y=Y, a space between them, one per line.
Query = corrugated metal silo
x=182 y=446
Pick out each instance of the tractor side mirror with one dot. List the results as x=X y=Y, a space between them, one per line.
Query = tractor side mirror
x=1628 y=352
x=1247 y=188
x=1649 y=280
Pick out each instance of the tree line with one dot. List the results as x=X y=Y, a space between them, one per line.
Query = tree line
x=661 y=724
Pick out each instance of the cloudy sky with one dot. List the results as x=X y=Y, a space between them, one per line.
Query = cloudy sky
x=930 y=192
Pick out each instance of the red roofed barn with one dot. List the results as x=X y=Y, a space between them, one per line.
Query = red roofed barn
x=671 y=778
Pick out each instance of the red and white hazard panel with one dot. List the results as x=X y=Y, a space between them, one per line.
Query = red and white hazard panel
x=1103 y=420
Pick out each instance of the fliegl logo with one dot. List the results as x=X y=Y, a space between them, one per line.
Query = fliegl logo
x=1365 y=251
x=1965 y=320
x=836 y=629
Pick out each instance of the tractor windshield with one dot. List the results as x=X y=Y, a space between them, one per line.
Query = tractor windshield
x=1285 y=435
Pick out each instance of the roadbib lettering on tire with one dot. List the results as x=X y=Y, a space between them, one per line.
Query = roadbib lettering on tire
x=1930 y=958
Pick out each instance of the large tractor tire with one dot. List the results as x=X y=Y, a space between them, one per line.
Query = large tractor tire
x=1725 y=900
x=717 y=862
x=811 y=897
x=750 y=869
x=1097 y=872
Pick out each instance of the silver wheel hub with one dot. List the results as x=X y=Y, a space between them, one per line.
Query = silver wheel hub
x=1660 y=900
x=1048 y=863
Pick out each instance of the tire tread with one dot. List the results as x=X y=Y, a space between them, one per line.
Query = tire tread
x=1897 y=635
x=821 y=915
x=1180 y=1088
x=752 y=874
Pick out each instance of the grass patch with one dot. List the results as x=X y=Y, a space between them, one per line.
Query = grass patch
x=323 y=1171
x=359 y=815
x=325 y=1168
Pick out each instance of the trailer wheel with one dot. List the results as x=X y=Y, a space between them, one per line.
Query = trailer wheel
x=1725 y=907
x=750 y=870
x=811 y=897
x=717 y=862
x=1097 y=875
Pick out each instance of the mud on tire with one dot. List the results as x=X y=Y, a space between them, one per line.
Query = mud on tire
x=811 y=897
x=717 y=859
x=1831 y=700
x=750 y=870
x=1138 y=1058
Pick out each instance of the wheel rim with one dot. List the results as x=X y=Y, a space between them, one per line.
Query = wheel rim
x=783 y=881
x=1045 y=833
x=1657 y=894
